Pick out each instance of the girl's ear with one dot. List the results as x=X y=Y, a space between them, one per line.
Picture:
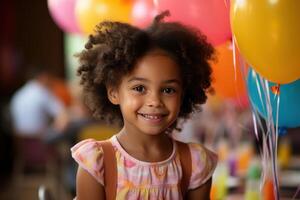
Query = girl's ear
x=113 y=96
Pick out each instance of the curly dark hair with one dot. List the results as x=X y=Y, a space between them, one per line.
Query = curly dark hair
x=113 y=50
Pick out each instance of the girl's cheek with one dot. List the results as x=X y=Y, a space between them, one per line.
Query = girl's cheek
x=132 y=102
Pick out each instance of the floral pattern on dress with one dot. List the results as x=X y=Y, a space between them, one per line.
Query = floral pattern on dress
x=146 y=180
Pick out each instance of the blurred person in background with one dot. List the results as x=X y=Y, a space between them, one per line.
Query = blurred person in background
x=34 y=108
x=81 y=125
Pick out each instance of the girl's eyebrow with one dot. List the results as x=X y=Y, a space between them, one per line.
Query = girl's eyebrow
x=173 y=81
x=138 y=79
x=146 y=80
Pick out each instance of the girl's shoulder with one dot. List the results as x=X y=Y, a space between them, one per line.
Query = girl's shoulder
x=204 y=162
x=89 y=155
x=201 y=152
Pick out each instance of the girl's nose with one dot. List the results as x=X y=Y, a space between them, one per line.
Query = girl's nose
x=154 y=100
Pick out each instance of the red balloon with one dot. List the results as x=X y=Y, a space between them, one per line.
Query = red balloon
x=143 y=12
x=210 y=16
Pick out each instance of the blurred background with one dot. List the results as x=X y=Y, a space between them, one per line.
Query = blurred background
x=43 y=113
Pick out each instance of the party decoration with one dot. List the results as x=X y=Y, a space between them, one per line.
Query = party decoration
x=228 y=80
x=267 y=34
x=90 y=12
x=210 y=16
x=143 y=12
x=63 y=13
x=289 y=107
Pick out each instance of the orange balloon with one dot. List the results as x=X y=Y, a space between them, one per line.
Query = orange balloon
x=90 y=12
x=268 y=190
x=228 y=80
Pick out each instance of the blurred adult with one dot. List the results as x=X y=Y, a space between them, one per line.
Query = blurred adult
x=82 y=125
x=34 y=109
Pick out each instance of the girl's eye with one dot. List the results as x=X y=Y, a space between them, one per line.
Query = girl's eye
x=139 y=89
x=168 y=90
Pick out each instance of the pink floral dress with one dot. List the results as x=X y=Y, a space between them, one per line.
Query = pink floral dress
x=146 y=180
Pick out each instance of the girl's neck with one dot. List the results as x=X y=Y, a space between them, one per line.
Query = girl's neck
x=151 y=148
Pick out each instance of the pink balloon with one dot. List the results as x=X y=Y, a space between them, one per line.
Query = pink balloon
x=143 y=12
x=63 y=13
x=210 y=16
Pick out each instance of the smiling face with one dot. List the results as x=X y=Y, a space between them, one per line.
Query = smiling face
x=150 y=96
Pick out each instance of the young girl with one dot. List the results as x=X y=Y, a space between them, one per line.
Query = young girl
x=145 y=79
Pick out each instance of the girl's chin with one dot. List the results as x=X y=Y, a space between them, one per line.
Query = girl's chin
x=152 y=131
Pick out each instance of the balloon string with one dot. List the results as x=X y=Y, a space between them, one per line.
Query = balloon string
x=257 y=81
x=275 y=168
x=268 y=150
x=243 y=67
x=265 y=154
x=275 y=142
x=257 y=120
x=232 y=47
x=272 y=135
x=234 y=59
x=255 y=126
x=265 y=86
x=274 y=138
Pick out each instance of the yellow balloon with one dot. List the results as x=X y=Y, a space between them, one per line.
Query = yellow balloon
x=90 y=12
x=267 y=33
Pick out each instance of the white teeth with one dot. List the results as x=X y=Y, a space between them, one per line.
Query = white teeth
x=151 y=116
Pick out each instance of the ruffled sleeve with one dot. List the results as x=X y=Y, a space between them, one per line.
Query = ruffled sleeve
x=204 y=163
x=89 y=155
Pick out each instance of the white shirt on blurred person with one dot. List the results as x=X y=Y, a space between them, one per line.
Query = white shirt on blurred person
x=32 y=107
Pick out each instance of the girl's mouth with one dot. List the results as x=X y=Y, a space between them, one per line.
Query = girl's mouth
x=152 y=117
